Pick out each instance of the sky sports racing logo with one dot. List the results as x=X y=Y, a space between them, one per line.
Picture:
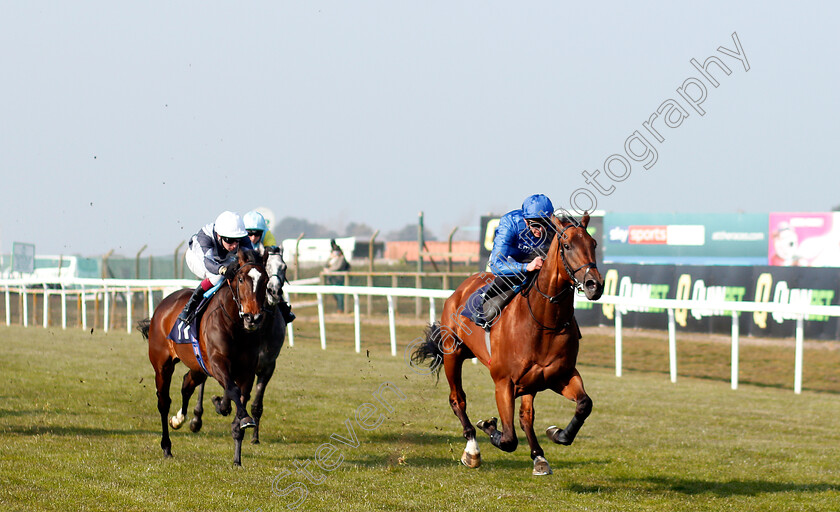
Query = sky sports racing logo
x=659 y=235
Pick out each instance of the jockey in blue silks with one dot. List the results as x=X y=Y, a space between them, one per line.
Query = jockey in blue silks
x=258 y=234
x=521 y=242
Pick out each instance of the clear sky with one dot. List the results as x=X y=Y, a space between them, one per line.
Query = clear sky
x=131 y=123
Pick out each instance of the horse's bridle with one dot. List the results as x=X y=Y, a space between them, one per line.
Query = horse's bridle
x=233 y=293
x=575 y=284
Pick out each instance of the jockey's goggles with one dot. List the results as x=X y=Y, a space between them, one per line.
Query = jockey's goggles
x=254 y=232
x=229 y=240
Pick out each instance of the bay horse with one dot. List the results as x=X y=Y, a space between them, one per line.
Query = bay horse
x=270 y=338
x=533 y=344
x=224 y=343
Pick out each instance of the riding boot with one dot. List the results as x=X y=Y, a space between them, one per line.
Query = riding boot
x=286 y=310
x=187 y=314
x=493 y=300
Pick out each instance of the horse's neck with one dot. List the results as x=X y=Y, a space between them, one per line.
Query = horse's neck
x=553 y=277
x=223 y=299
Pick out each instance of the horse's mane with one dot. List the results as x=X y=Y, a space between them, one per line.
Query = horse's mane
x=248 y=256
x=566 y=219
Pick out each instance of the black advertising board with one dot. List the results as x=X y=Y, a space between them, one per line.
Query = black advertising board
x=787 y=285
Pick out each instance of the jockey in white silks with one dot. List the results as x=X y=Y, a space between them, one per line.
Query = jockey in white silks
x=212 y=251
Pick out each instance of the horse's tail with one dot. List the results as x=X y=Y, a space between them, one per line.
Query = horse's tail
x=429 y=352
x=143 y=327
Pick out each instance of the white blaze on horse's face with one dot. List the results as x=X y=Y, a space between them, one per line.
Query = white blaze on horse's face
x=273 y=268
x=255 y=275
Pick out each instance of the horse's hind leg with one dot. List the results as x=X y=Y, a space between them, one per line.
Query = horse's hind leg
x=573 y=390
x=163 y=378
x=526 y=421
x=195 y=423
x=453 y=364
x=257 y=406
x=191 y=380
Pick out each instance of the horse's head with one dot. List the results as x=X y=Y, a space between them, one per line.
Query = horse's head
x=275 y=267
x=576 y=249
x=249 y=289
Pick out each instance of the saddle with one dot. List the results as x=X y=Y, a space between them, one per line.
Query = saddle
x=473 y=307
x=182 y=333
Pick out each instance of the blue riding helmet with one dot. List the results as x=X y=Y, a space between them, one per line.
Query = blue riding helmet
x=254 y=221
x=537 y=206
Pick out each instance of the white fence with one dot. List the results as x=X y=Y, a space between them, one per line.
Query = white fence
x=106 y=288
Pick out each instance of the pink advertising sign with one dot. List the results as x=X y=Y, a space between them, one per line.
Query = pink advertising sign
x=804 y=239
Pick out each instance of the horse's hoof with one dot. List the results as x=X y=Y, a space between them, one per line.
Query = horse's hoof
x=487 y=426
x=195 y=425
x=255 y=441
x=541 y=467
x=247 y=422
x=556 y=434
x=470 y=460
x=217 y=402
x=176 y=421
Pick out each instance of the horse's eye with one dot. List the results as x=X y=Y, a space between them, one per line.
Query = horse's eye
x=567 y=247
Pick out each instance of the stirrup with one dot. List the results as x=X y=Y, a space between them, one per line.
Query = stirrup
x=289 y=316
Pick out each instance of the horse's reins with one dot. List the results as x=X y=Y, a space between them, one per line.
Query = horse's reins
x=233 y=294
x=575 y=284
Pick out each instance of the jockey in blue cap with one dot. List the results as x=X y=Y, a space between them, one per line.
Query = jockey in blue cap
x=258 y=233
x=522 y=240
x=212 y=250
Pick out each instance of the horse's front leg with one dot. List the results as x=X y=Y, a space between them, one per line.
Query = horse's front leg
x=257 y=406
x=526 y=421
x=241 y=421
x=506 y=439
x=573 y=390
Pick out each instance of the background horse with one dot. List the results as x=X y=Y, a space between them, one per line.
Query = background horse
x=534 y=344
x=270 y=339
x=230 y=354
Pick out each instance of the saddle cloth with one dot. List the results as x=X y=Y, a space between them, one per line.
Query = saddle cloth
x=182 y=333
x=472 y=308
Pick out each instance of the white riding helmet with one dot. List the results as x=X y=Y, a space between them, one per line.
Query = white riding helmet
x=230 y=225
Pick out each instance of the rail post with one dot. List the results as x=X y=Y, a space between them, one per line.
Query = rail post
x=137 y=262
x=735 y=342
x=321 y=322
x=357 y=323
x=618 y=342
x=175 y=260
x=449 y=258
x=392 y=325
x=297 y=256
x=797 y=364
x=672 y=344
